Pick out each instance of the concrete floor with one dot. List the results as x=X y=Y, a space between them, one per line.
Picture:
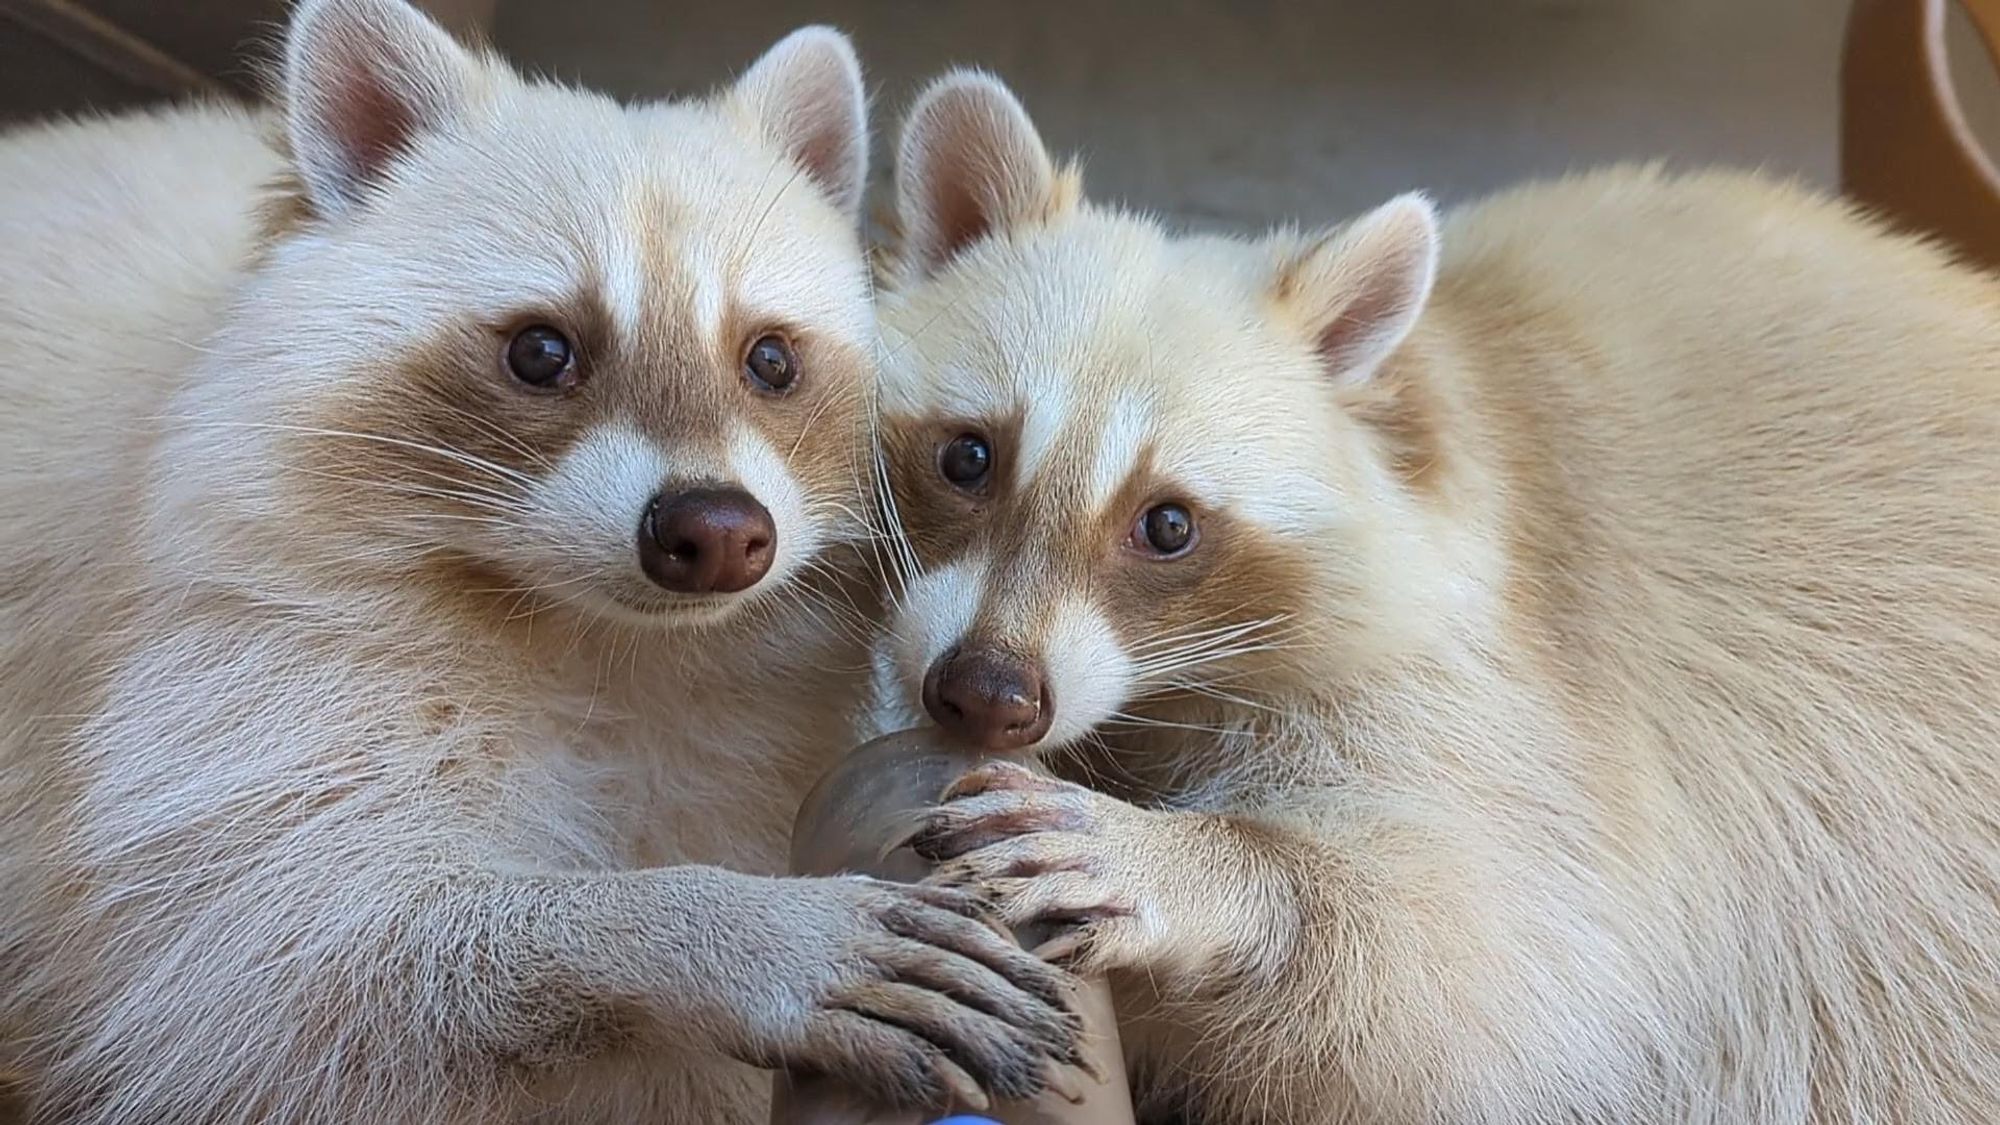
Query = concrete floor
x=1241 y=114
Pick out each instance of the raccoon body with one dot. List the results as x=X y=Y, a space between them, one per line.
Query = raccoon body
x=1535 y=665
x=429 y=552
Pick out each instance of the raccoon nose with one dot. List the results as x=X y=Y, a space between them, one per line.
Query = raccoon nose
x=706 y=541
x=988 y=698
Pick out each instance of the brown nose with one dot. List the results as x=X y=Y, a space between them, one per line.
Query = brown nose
x=988 y=698
x=706 y=541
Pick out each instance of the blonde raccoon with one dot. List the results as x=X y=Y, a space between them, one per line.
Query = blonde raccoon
x=423 y=601
x=1543 y=666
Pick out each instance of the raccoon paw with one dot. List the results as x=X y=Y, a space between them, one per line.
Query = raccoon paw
x=1064 y=863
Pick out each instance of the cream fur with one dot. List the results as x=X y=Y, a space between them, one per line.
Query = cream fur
x=1628 y=748
x=323 y=803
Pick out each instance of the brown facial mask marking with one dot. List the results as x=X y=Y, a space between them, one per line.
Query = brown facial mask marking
x=453 y=396
x=1236 y=574
x=944 y=521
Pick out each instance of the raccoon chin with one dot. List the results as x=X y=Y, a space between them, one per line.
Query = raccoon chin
x=678 y=612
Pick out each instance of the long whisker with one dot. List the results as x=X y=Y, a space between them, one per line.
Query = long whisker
x=532 y=587
x=811 y=419
x=459 y=456
x=770 y=205
x=1212 y=691
x=1206 y=655
x=1121 y=718
x=903 y=555
x=500 y=432
x=1197 y=634
x=858 y=525
x=488 y=501
x=1234 y=639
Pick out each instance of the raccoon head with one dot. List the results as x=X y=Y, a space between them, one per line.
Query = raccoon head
x=1130 y=466
x=616 y=359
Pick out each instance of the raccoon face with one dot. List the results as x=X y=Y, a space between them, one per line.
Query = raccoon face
x=1125 y=463
x=616 y=359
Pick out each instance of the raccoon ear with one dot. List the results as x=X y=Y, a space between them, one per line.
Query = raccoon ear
x=1359 y=289
x=362 y=80
x=970 y=164
x=806 y=95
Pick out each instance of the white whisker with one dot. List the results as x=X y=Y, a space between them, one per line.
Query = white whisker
x=456 y=455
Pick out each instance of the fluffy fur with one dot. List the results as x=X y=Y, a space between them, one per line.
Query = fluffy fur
x=1582 y=701
x=351 y=769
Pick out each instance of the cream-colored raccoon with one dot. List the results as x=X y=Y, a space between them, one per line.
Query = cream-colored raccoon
x=1553 y=680
x=420 y=607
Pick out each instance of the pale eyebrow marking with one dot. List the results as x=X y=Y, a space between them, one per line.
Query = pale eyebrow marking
x=706 y=301
x=1126 y=428
x=625 y=282
x=1045 y=396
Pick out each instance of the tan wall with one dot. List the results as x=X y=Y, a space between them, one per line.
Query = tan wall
x=1236 y=112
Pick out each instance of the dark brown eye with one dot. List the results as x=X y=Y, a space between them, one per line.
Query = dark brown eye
x=770 y=365
x=1165 y=530
x=965 y=460
x=540 y=356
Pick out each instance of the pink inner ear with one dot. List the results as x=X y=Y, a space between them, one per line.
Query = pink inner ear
x=1358 y=328
x=961 y=168
x=825 y=157
x=373 y=125
x=960 y=219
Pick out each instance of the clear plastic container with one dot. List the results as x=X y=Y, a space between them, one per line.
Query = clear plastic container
x=853 y=822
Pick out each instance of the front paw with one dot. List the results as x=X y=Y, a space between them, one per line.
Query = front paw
x=1061 y=864
x=907 y=994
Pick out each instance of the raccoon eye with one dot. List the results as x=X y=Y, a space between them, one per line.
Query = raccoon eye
x=540 y=356
x=965 y=460
x=770 y=364
x=1165 y=530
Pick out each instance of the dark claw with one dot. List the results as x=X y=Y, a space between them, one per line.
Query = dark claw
x=948 y=835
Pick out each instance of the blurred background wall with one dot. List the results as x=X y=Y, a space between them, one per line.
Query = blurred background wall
x=1233 y=113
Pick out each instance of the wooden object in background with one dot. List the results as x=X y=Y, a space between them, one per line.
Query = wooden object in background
x=102 y=43
x=1905 y=148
